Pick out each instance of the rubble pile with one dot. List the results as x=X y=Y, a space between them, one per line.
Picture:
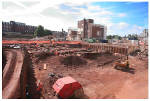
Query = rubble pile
x=48 y=91
x=143 y=54
x=135 y=53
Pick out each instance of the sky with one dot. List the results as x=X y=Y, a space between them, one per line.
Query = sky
x=120 y=18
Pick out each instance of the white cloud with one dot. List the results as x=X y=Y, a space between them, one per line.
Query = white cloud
x=122 y=25
x=136 y=29
x=49 y=14
x=121 y=14
x=123 y=28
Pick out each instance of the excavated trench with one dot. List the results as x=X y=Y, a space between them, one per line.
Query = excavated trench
x=72 y=61
x=31 y=87
x=98 y=58
x=3 y=59
x=69 y=61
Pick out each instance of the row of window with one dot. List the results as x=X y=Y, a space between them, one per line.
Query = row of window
x=13 y=26
x=18 y=26
x=18 y=29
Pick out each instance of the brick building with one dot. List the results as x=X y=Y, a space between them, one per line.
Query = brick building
x=87 y=29
x=13 y=26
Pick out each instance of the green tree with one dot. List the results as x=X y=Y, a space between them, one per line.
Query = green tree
x=117 y=37
x=133 y=37
x=129 y=36
x=47 y=32
x=114 y=37
x=39 y=31
x=109 y=37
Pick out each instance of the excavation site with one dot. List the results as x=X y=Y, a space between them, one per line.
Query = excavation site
x=74 y=70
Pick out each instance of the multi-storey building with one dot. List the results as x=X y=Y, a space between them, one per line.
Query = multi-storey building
x=59 y=35
x=145 y=33
x=6 y=27
x=144 y=36
x=87 y=29
x=72 y=34
x=13 y=26
x=83 y=27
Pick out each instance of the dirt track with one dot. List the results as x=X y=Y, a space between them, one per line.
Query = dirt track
x=11 y=74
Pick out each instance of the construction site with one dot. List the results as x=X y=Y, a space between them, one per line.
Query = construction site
x=71 y=49
x=41 y=69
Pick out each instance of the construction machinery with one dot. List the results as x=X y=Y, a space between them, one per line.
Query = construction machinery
x=122 y=64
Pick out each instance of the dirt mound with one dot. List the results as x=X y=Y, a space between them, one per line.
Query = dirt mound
x=73 y=60
x=48 y=91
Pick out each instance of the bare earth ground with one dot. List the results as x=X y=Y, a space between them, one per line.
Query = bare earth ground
x=11 y=74
x=100 y=82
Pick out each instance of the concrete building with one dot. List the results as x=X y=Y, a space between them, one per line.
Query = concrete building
x=87 y=29
x=144 y=36
x=83 y=27
x=145 y=33
x=72 y=34
x=13 y=26
x=59 y=35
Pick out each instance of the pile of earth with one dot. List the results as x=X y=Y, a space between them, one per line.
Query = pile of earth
x=91 y=55
x=48 y=91
x=72 y=61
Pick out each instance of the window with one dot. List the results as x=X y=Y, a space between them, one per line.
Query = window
x=98 y=33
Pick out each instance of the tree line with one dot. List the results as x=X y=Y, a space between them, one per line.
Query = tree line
x=129 y=36
x=40 y=31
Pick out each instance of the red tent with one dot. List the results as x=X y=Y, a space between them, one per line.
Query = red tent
x=65 y=87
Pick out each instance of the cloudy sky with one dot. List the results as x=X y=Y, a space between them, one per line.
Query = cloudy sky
x=120 y=17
